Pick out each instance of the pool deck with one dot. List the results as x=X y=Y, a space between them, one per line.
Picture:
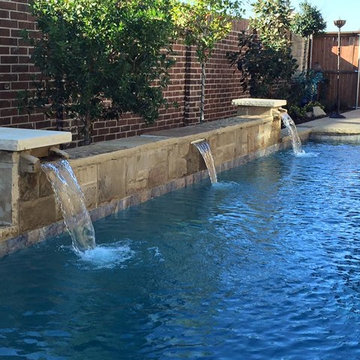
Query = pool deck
x=348 y=126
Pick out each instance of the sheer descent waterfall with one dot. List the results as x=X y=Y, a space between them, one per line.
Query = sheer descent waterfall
x=205 y=151
x=292 y=131
x=69 y=195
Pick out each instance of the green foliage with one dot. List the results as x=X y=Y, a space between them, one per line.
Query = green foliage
x=304 y=87
x=272 y=22
x=310 y=106
x=204 y=22
x=99 y=58
x=309 y=21
x=297 y=113
x=302 y=94
x=265 y=72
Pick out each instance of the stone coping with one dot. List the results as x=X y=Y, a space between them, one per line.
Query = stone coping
x=14 y=139
x=210 y=126
x=110 y=148
x=104 y=147
x=271 y=103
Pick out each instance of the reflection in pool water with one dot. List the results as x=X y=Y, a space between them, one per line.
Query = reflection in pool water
x=263 y=265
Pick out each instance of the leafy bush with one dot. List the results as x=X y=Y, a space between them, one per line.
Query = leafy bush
x=310 y=106
x=101 y=58
x=304 y=87
x=265 y=72
x=297 y=113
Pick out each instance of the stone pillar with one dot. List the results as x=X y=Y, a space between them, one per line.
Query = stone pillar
x=9 y=187
x=249 y=108
x=19 y=152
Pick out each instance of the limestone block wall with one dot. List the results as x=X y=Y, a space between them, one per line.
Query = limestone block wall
x=8 y=187
x=112 y=181
x=118 y=175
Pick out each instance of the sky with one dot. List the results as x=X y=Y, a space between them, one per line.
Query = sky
x=331 y=10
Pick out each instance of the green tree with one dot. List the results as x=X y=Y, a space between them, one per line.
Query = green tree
x=203 y=23
x=272 y=23
x=264 y=57
x=309 y=21
x=100 y=58
x=265 y=72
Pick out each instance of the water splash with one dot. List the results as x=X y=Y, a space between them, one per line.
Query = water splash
x=69 y=195
x=106 y=256
x=205 y=151
x=292 y=131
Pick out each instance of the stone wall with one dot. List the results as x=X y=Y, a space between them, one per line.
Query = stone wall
x=121 y=173
x=16 y=72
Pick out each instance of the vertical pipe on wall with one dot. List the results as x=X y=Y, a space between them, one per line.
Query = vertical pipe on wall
x=311 y=50
x=358 y=78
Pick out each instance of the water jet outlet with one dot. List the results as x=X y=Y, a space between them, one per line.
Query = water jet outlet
x=29 y=164
x=197 y=141
x=61 y=153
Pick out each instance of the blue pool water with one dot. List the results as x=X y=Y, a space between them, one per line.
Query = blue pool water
x=263 y=265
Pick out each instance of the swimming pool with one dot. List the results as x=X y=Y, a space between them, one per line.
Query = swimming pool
x=263 y=265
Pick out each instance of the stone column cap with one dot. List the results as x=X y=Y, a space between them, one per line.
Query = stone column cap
x=271 y=103
x=15 y=139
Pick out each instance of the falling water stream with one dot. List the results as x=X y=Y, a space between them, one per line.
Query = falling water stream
x=205 y=151
x=292 y=131
x=69 y=195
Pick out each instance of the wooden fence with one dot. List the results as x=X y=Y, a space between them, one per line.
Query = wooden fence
x=325 y=54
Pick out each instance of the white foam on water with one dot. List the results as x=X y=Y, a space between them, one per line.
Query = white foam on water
x=307 y=155
x=224 y=185
x=106 y=256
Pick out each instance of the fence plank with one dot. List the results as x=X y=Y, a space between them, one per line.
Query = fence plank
x=325 y=55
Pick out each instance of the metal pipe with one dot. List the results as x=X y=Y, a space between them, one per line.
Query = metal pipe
x=336 y=114
x=311 y=50
x=338 y=74
x=358 y=77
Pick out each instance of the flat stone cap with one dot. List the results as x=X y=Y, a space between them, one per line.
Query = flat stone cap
x=14 y=139
x=271 y=103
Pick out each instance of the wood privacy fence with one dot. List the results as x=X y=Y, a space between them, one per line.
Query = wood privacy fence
x=325 y=54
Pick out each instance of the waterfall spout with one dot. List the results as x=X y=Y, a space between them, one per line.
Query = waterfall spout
x=204 y=148
x=72 y=203
x=292 y=131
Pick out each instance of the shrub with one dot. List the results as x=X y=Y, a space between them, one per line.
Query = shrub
x=265 y=72
x=101 y=58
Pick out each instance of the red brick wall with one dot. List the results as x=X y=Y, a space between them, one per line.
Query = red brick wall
x=222 y=84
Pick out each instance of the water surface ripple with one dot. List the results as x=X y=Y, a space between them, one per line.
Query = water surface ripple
x=263 y=265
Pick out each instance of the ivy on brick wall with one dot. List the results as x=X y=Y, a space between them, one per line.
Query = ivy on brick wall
x=99 y=59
